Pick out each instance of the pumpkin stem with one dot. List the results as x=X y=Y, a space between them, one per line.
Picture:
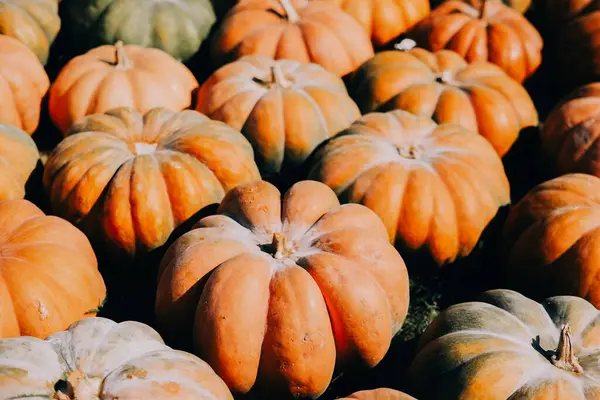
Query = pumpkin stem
x=292 y=14
x=405 y=45
x=445 y=77
x=123 y=61
x=278 y=77
x=564 y=357
x=280 y=245
x=79 y=387
x=483 y=11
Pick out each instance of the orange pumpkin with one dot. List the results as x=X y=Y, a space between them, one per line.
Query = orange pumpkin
x=521 y=6
x=48 y=273
x=280 y=291
x=131 y=179
x=443 y=86
x=385 y=20
x=490 y=32
x=307 y=31
x=18 y=158
x=23 y=85
x=435 y=187
x=379 y=394
x=552 y=236
x=284 y=108
x=119 y=76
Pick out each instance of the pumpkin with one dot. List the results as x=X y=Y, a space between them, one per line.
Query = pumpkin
x=508 y=346
x=435 y=187
x=306 y=31
x=490 y=32
x=18 y=158
x=521 y=6
x=176 y=27
x=385 y=20
x=284 y=108
x=97 y=358
x=275 y=292
x=119 y=76
x=550 y=238
x=34 y=22
x=23 y=85
x=132 y=178
x=443 y=86
x=48 y=273
x=379 y=394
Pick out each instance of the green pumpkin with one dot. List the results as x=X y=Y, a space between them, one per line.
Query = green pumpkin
x=175 y=26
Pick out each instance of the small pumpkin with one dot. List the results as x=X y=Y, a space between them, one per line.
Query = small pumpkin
x=508 y=346
x=48 y=273
x=23 y=85
x=490 y=32
x=130 y=179
x=97 y=358
x=379 y=394
x=551 y=239
x=443 y=86
x=176 y=27
x=521 y=6
x=435 y=187
x=306 y=31
x=18 y=158
x=276 y=292
x=119 y=76
x=284 y=108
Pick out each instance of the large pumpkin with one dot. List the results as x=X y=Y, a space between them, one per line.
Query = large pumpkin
x=119 y=76
x=385 y=20
x=284 y=108
x=443 y=86
x=99 y=359
x=280 y=291
x=379 y=394
x=48 y=273
x=435 y=187
x=134 y=177
x=23 y=85
x=551 y=239
x=506 y=346
x=18 y=158
x=176 y=27
x=490 y=32
x=301 y=30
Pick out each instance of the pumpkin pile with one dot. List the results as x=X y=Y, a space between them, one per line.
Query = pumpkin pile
x=299 y=199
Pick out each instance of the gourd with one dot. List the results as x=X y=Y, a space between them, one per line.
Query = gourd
x=18 y=158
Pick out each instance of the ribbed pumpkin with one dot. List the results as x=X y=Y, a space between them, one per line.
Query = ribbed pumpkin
x=34 y=22
x=48 y=273
x=385 y=20
x=119 y=76
x=135 y=177
x=490 y=32
x=443 y=86
x=18 y=158
x=436 y=187
x=506 y=346
x=99 y=359
x=521 y=6
x=276 y=292
x=551 y=239
x=176 y=27
x=379 y=394
x=301 y=30
x=23 y=85
x=285 y=108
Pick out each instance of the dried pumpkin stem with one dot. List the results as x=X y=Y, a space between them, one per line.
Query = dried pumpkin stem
x=278 y=76
x=123 y=61
x=280 y=245
x=483 y=11
x=292 y=14
x=564 y=356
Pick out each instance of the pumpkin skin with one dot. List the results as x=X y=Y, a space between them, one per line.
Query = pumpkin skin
x=379 y=394
x=443 y=86
x=435 y=187
x=551 y=237
x=310 y=284
x=521 y=6
x=97 y=358
x=23 y=85
x=33 y=249
x=385 y=20
x=284 y=108
x=18 y=158
x=119 y=76
x=491 y=32
x=508 y=346
x=176 y=27
x=306 y=31
x=135 y=178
